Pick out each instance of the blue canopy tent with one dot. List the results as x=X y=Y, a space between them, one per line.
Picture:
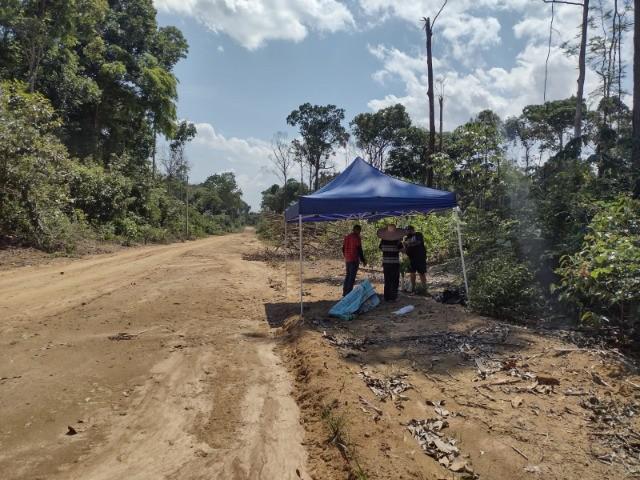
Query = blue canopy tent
x=362 y=192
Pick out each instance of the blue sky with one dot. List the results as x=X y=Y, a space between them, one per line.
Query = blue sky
x=253 y=61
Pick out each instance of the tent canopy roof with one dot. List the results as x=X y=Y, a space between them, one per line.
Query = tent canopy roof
x=364 y=192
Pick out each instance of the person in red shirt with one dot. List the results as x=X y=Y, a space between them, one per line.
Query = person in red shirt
x=353 y=254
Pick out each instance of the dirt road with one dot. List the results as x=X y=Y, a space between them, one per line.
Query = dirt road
x=193 y=390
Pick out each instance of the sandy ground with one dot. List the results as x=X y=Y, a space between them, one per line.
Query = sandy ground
x=515 y=402
x=193 y=390
x=188 y=361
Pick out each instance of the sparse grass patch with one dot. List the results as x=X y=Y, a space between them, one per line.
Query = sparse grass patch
x=336 y=424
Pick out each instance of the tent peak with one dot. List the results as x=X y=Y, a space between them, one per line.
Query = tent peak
x=363 y=191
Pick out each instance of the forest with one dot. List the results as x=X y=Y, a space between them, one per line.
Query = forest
x=87 y=95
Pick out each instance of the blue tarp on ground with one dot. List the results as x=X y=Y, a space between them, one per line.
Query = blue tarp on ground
x=360 y=300
x=364 y=192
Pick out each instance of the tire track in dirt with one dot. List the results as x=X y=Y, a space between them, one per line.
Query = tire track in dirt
x=198 y=393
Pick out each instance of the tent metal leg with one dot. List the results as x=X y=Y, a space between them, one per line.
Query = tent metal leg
x=464 y=269
x=301 y=272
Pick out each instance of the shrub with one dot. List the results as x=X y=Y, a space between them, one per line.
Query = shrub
x=602 y=279
x=128 y=228
x=34 y=194
x=102 y=195
x=62 y=232
x=504 y=288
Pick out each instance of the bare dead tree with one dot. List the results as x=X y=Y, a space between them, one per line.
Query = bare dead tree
x=283 y=158
x=441 y=83
x=428 y=28
x=546 y=63
x=577 y=124
x=635 y=152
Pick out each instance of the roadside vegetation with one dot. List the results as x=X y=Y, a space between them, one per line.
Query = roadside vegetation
x=549 y=229
x=87 y=90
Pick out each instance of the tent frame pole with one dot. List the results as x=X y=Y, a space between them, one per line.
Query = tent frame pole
x=301 y=272
x=456 y=211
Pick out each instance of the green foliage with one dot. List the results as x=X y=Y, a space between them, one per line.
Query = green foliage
x=503 y=287
x=478 y=152
x=321 y=131
x=407 y=157
x=548 y=123
x=564 y=202
x=106 y=69
x=103 y=195
x=376 y=132
x=219 y=195
x=105 y=66
x=276 y=198
x=604 y=274
x=34 y=194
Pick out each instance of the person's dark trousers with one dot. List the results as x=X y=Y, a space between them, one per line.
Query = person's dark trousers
x=350 y=276
x=391 y=280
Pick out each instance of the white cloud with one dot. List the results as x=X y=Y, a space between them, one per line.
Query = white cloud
x=211 y=152
x=252 y=23
x=467 y=26
x=506 y=91
x=220 y=49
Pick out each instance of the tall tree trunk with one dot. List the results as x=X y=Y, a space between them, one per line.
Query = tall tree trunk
x=441 y=104
x=432 y=117
x=153 y=152
x=619 y=58
x=577 y=127
x=635 y=153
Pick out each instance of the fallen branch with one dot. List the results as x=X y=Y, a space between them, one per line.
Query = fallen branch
x=505 y=381
x=368 y=404
x=484 y=394
x=519 y=453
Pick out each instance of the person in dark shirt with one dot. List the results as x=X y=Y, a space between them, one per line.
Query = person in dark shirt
x=417 y=253
x=391 y=264
x=353 y=254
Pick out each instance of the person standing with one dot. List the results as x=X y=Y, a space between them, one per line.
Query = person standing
x=417 y=253
x=391 y=246
x=353 y=254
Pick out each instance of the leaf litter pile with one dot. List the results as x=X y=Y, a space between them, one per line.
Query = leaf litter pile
x=391 y=386
x=428 y=434
x=612 y=427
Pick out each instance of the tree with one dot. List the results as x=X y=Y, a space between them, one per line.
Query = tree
x=441 y=110
x=518 y=129
x=282 y=156
x=582 y=52
x=376 y=132
x=219 y=194
x=407 y=157
x=549 y=122
x=105 y=66
x=277 y=198
x=635 y=154
x=34 y=166
x=577 y=128
x=321 y=131
x=428 y=28
x=175 y=164
x=477 y=150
